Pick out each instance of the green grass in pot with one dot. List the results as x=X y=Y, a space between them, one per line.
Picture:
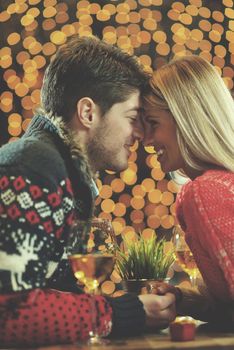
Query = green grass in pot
x=144 y=259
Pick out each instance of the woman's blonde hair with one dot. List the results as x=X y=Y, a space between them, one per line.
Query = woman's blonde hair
x=203 y=109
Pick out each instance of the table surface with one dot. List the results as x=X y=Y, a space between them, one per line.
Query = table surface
x=205 y=339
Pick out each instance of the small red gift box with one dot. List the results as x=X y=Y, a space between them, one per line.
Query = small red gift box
x=183 y=329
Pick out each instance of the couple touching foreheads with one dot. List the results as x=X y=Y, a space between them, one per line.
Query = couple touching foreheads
x=95 y=102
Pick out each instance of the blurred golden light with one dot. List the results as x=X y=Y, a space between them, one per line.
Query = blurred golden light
x=163 y=49
x=49 y=12
x=172 y=186
x=58 y=37
x=220 y=51
x=123 y=8
x=167 y=221
x=117 y=185
x=119 y=210
x=196 y=34
x=178 y=6
x=153 y=221
x=159 y=36
x=137 y=202
x=205 y=25
x=155 y=196
x=68 y=29
x=118 y=225
x=62 y=17
x=137 y=216
x=13 y=38
x=148 y=184
x=15 y=120
x=93 y=8
x=108 y=205
x=204 y=12
x=21 y=89
x=192 y=10
x=27 y=103
x=185 y=18
x=105 y=191
x=40 y=61
x=110 y=8
x=29 y=66
x=48 y=49
x=12 y=8
x=229 y=13
x=128 y=176
x=14 y=131
x=150 y=24
x=173 y=209
x=48 y=24
x=122 y=18
x=157 y=173
x=197 y=3
x=206 y=55
x=138 y=191
x=5 y=61
x=108 y=287
x=205 y=45
x=173 y=15
x=167 y=198
x=162 y=185
x=33 y=11
x=215 y=36
x=27 y=20
x=134 y=17
x=160 y=210
x=230 y=36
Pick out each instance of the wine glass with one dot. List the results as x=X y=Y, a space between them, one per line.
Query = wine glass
x=184 y=256
x=91 y=254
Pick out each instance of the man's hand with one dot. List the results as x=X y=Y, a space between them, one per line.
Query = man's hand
x=160 y=309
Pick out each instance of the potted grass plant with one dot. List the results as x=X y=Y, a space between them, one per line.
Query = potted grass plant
x=142 y=262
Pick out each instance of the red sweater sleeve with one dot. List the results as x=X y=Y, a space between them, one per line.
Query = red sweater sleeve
x=49 y=317
x=205 y=210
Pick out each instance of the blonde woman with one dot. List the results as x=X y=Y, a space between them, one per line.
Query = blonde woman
x=189 y=119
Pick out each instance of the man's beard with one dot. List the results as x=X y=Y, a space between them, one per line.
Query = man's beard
x=100 y=156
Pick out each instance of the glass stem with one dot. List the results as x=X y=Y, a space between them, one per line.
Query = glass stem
x=93 y=334
x=193 y=280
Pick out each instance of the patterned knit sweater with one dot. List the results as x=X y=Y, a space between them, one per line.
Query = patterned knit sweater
x=205 y=210
x=43 y=185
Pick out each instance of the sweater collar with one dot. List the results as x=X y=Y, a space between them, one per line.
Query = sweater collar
x=42 y=122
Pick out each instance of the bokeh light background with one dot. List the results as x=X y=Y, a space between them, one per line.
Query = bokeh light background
x=142 y=197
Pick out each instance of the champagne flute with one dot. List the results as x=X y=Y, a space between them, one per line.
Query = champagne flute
x=90 y=252
x=184 y=256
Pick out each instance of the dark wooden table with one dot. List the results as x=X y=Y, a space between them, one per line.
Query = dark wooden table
x=205 y=339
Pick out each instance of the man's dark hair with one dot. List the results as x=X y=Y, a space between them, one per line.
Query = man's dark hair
x=89 y=67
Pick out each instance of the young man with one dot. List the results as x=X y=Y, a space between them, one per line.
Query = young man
x=90 y=101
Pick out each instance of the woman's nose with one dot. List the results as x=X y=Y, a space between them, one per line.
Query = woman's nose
x=148 y=138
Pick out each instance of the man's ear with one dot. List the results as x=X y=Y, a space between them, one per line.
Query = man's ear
x=86 y=110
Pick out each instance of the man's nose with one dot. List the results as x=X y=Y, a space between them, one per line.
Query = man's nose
x=139 y=132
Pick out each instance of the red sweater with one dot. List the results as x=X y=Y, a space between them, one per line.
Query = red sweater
x=205 y=211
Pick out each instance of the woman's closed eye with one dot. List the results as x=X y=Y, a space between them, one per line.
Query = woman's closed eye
x=153 y=123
